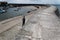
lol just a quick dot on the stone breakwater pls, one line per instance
(43, 24)
(10, 27)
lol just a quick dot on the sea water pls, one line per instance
(13, 12)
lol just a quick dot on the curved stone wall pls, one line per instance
(44, 25)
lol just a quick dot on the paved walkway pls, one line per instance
(31, 28)
(44, 25)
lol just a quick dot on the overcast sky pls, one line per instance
(34, 1)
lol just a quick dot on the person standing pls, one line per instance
(23, 21)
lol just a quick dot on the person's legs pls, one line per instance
(23, 22)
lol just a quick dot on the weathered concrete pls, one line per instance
(41, 26)
(5, 25)
(9, 32)
(31, 30)
(50, 24)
